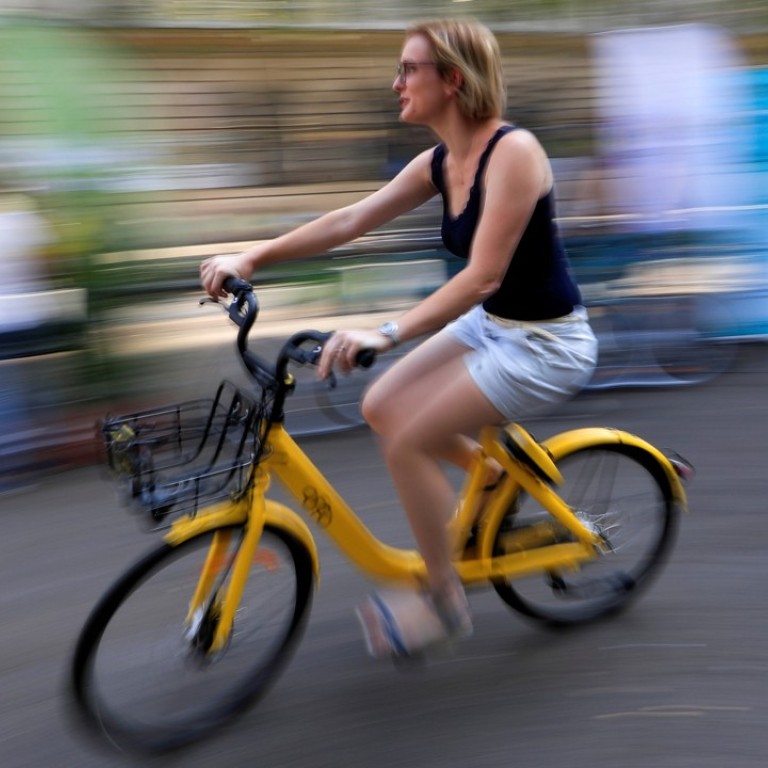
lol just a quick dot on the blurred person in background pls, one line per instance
(511, 335)
(23, 235)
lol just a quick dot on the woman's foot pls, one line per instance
(403, 623)
(452, 607)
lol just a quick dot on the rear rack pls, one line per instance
(186, 455)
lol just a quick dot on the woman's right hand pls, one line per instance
(216, 269)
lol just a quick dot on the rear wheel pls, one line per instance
(619, 491)
(142, 674)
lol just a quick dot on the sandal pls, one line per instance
(405, 623)
(452, 607)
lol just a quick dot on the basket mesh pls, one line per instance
(186, 455)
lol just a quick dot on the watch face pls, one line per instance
(390, 330)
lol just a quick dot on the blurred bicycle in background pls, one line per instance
(654, 332)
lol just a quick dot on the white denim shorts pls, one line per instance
(527, 367)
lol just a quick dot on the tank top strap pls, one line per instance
(438, 156)
(492, 142)
(437, 167)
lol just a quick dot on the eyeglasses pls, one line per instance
(407, 68)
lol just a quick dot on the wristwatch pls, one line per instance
(389, 330)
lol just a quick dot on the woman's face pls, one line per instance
(418, 83)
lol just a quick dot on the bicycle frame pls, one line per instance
(527, 552)
(590, 514)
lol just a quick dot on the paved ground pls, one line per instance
(678, 681)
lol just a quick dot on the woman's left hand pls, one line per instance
(342, 348)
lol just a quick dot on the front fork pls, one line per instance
(208, 606)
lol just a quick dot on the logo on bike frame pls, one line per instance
(317, 506)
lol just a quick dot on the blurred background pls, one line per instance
(139, 136)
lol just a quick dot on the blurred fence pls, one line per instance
(587, 15)
(183, 136)
(148, 147)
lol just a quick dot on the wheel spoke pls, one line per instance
(618, 492)
(143, 673)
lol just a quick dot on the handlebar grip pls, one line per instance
(236, 285)
(365, 358)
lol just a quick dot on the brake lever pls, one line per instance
(313, 357)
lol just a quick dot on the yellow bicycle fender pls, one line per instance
(216, 516)
(561, 445)
(224, 514)
(284, 518)
(567, 442)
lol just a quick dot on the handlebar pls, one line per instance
(243, 311)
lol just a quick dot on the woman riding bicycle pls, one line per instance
(512, 337)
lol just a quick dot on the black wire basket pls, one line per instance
(182, 457)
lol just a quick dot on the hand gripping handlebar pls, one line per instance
(243, 311)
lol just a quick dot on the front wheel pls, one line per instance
(142, 673)
(621, 492)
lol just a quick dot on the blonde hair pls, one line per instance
(472, 49)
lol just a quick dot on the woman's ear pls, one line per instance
(454, 79)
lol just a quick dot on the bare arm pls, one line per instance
(409, 189)
(517, 176)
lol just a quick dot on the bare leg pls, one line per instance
(413, 456)
(424, 408)
(400, 392)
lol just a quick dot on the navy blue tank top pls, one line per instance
(538, 284)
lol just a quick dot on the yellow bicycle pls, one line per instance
(198, 629)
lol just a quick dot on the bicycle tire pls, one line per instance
(686, 340)
(143, 681)
(623, 492)
(661, 342)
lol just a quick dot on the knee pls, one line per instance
(375, 411)
(379, 408)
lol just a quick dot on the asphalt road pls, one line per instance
(680, 680)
